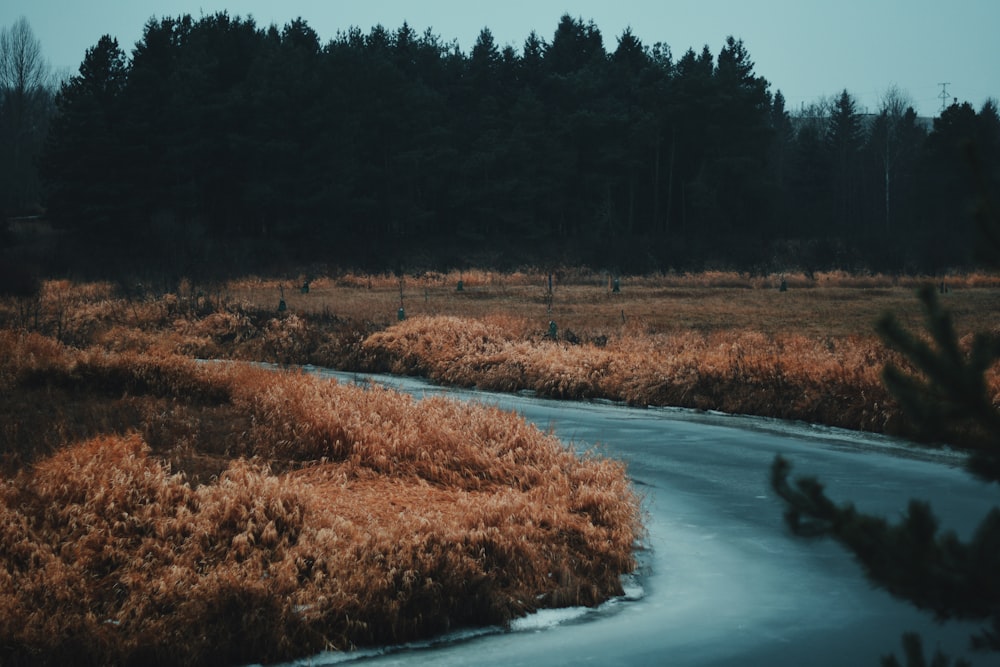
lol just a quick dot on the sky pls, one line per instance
(808, 49)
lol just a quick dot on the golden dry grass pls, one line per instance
(829, 304)
(156, 509)
(714, 340)
(341, 516)
(831, 381)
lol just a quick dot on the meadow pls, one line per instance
(711, 341)
(163, 510)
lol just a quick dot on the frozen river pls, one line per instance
(722, 581)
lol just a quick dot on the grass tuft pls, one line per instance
(344, 516)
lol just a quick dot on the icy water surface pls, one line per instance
(722, 582)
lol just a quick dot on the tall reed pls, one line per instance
(344, 516)
(832, 381)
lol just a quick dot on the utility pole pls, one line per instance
(944, 95)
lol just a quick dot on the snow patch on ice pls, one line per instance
(547, 618)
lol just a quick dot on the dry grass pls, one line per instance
(828, 304)
(714, 340)
(341, 516)
(831, 381)
(159, 510)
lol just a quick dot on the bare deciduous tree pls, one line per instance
(25, 102)
(893, 106)
(22, 67)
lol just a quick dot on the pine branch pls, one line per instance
(913, 649)
(989, 638)
(911, 560)
(952, 400)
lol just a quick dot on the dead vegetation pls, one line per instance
(160, 510)
(714, 340)
(336, 516)
(830, 381)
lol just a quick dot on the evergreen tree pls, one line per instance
(739, 140)
(692, 93)
(844, 138)
(285, 150)
(654, 139)
(213, 64)
(575, 66)
(483, 190)
(83, 165)
(575, 45)
(632, 71)
(484, 61)
(532, 59)
(912, 560)
(946, 190)
(779, 157)
(155, 125)
(808, 192)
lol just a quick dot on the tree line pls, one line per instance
(219, 142)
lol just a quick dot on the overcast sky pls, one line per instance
(806, 48)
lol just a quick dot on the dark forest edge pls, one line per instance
(221, 147)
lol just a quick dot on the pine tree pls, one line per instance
(935, 571)
(81, 162)
(844, 138)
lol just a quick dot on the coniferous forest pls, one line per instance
(217, 144)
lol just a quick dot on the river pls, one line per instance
(722, 581)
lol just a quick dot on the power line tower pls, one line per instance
(944, 95)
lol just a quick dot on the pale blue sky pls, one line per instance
(807, 48)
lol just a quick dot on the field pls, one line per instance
(162, 510)
(717, 341)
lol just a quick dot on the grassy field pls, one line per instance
(709, 341)
(832, 304)
(161, 510)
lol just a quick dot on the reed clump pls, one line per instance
(833, 381)
(336, 516)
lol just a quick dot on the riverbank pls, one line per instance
(159, 510)
(791, 347)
